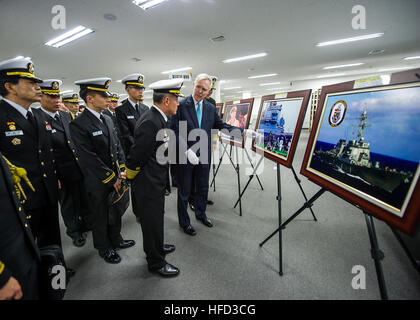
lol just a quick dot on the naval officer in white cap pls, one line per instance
(101, 159)
(149, 174)
(71, 102)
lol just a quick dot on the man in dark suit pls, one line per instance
(73, 202)
(71, 102)
(129, 113)
(25, 141)
(131, 110)
(101, 159)
(148, 168)
(196, 113)
(113, 105)
(19, 255)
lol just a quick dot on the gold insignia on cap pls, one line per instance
(140, 79)
(55, 85)
(16, 141)
(75, 96)
(31, 68)
(107, 84)
(114, 95)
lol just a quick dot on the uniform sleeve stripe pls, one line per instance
(109, 178)
(131, 174)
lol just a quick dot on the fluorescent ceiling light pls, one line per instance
(232, 88)
(69, 36)
(365, 37)
(278, 89)
(344, 66)
(269, 84)
(258, 55)
(392, 69)
(147, 4)
(412, 58)
(263, 76)
(177, 70)
(331, 75)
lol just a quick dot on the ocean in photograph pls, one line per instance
(278, 123)
(370, 142)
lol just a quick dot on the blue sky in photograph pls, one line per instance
(393, 119)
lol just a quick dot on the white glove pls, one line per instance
(192, 157)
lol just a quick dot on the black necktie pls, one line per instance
(137, 109)
(31, 119)
(57, 118)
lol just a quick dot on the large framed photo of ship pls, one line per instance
(365, 148)
(237, 114)
(279, 124)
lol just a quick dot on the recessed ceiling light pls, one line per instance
(147, 4)
(253, 56)
(412, 58)
(344, 66)
(331, 75)
(269, 84)
(263, 76)
(110, 16)
(231, 88)
(339, 41)
(69, 36)
(177, 70)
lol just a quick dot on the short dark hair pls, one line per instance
(84, 92)
(3, 90)
(158, 97)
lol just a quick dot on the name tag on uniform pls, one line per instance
(130, 117)
(14, 133)
(53, 131)
(97, 133)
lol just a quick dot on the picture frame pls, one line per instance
(219, 108)
(237, 114)
(281, 118)
(365, 147)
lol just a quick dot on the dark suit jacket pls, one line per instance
(210, 120)
(30, 148)
(151, 178)
(115, 120)
(17, 246)
(127, 118)
(99, 150)
(66, 157)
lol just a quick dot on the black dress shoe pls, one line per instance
(167, 270)
(210, 203)
(126, 244)
(168, 248)
(111, 256)
(190, 230)
(206, 221)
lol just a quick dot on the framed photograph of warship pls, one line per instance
(238, 115)
(279, 124)
(365, 147)
(219, 108)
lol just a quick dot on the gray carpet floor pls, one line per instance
(225, 262)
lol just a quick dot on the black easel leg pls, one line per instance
(249, 181)
(214, 175)
(218, 166)
(303, 192)
(279, 213)
(252, 166)
(377, 255)
(239, 182)
(306, 205)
